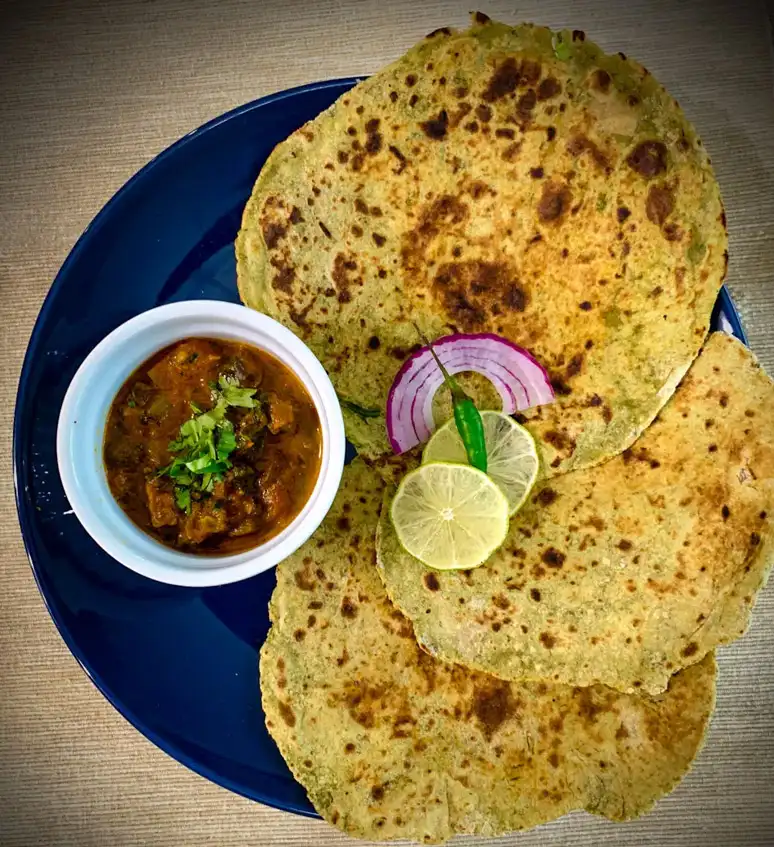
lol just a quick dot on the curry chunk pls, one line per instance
(161, 505)
(207, 518)
(281, 415)
(275, 500)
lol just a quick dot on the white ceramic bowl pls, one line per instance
(80, 437)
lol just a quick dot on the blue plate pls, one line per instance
(181, 664)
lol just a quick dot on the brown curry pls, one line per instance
(212, 446)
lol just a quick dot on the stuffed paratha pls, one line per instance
(502, 179)
(391, 743)
(624, 573)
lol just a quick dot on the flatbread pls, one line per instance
(391, 743)
(624, 573)
(507, 180)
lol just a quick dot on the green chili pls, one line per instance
(360, 411)
(468, 419)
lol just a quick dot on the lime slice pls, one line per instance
(511, 457)
(449, 516)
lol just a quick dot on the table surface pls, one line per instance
(89, 92)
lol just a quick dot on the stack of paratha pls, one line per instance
(393, 743)
(521, 182)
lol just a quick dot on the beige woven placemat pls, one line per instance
(89, 91)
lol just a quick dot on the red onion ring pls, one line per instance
(520, 380)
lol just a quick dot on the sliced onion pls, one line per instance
(520, 380)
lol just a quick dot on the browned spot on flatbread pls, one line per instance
(530, 72)
(286, 713)
(441, 214)
(562, 389)
(525, 104)
(660, 203)
(286, 274)
(348, 608)
(553, 558)
(556, 438)
(483, 113)
(343, 274)
(436, 127)
(493, 705)
(459, 114)
(373, 142)
(501, 602)
(304, 580)
(548, 88)
(600, 80)
(471, 290)
(575, 365)
(402, 161)
(579, 144)
(504, 81)
(592, 703)
(363, 701)
(273, 233)
(554, 202)
(431, 582)
(648, 159)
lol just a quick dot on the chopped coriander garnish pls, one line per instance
(183, 499)
(205, 442)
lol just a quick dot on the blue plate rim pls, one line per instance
(19, 459)
(724, 305)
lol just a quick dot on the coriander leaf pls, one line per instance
(242, 397)
(200, 464)
(226, 443)
(183, 499)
